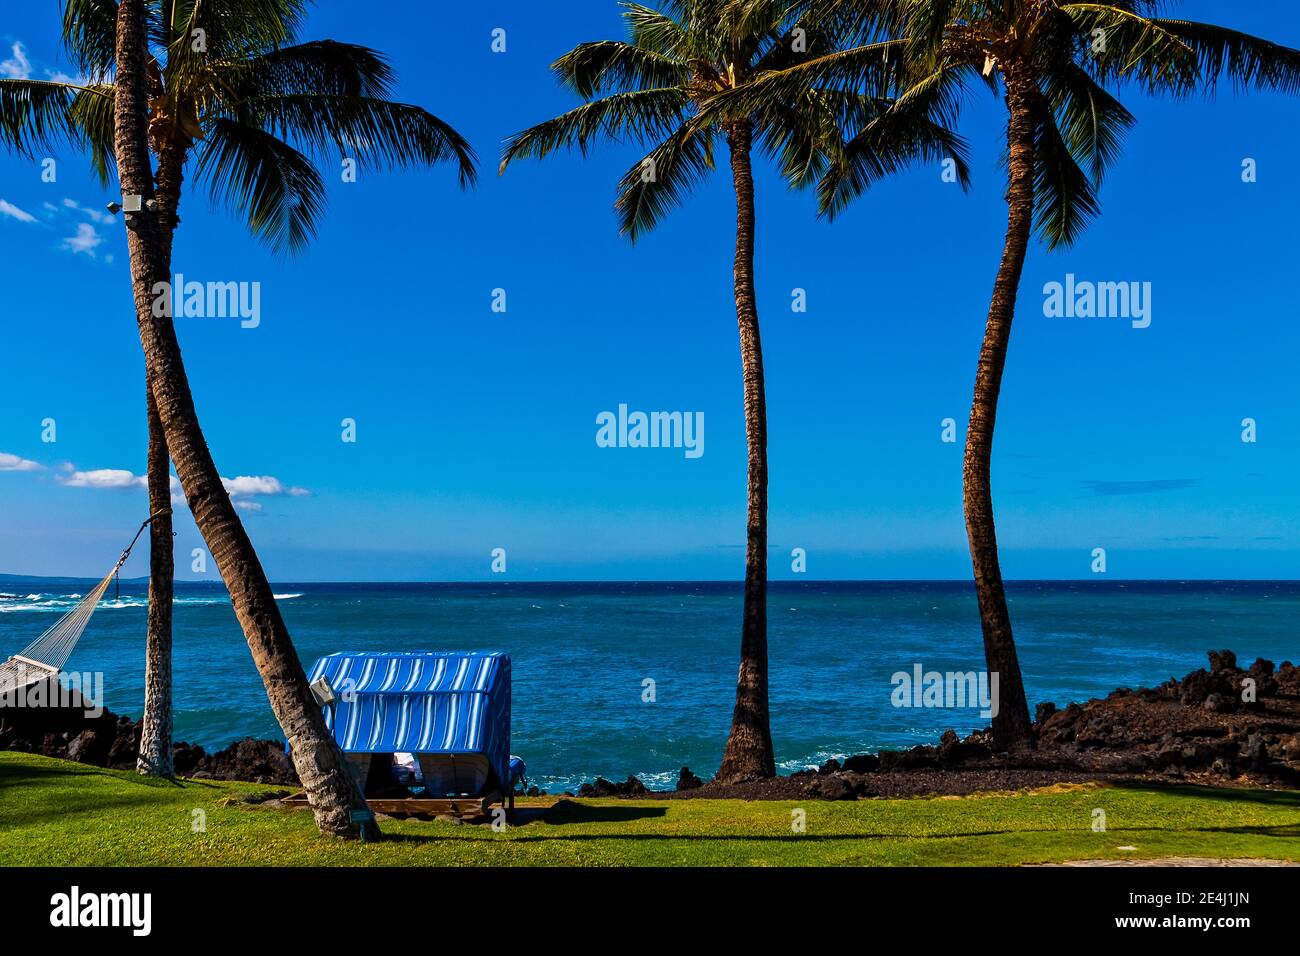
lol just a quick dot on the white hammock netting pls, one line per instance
(44, 657)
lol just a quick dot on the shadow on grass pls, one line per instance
(20, 774)
(561, 814)
(566, 812)
(1289, 830)
(1285, 831)
(697, 837)
(1270, 798)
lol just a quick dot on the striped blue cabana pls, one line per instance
(423, 703)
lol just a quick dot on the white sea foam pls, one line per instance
(66, 603)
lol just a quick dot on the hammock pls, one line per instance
(44, 657)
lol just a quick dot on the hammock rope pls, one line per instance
(44, 657)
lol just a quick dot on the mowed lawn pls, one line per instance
(57, 813)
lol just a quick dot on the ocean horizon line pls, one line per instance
(736, 582)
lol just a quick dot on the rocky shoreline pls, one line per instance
(1225, 726)
(109, 740)
(1200, 729)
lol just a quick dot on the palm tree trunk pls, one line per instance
(748, 754)
(155, 757)
(1011, 724)
(333, 794)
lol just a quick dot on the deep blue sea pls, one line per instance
(581, 654)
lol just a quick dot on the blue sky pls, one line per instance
(476, 429)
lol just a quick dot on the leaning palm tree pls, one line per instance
(649, 91)
(224, 82)
(26, 124)
(1057, 66)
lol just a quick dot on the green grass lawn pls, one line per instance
(55, 813)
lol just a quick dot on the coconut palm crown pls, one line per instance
(230, 84)
(648, 91)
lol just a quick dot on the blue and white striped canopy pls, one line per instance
(421, 702)
(410, 672)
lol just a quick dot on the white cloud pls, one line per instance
(104, 478)
(56, 76)
(17, 67)
(10, 462)
(95, 215)
(247, 486)
(87, 240)
(13, 212)
(241, 489)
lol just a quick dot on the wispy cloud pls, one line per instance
(102, 478)
(243, 489)
(86, 240)
(1138, 487)
(95, 215)
(248, 486)
(10, 462)
(13, 212)
(17, 67)
(58, 76)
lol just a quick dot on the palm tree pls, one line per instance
(1053, 62)
(155, 756)
(235, 106)
(650, 91)
(24, 126)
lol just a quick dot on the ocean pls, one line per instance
(582, 655)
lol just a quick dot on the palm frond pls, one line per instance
(640, 116)
(1247, 61)
(373, 131)
(318, 66)
(802, 138)
(199, 33)
(814, 39)
(90, 34)
(912, 129)
(91, 112)
(1135, 49)
(857, 23)
(34, 115)
(879, 69)
(928, 22)
(657, 31)
(236, 27)
(1065, 200)
(274, 186)
(1092, 122)
(590, 69)
(663, 180)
